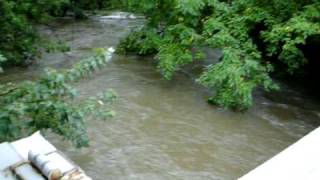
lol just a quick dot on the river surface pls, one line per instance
(165, 130)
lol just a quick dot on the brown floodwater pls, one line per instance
(165, 129)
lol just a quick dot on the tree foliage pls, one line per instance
(254, 36)
(50, 103)
(17, 36)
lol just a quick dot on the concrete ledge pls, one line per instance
(300, 161)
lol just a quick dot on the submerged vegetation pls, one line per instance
(257, 39)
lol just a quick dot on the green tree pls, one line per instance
(254, 35)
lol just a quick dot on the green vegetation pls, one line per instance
(256, 38)
(50, 103)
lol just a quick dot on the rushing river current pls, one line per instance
(165, 130)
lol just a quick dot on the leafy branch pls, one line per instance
(50, 103)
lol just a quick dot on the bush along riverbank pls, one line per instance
(257, 39)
